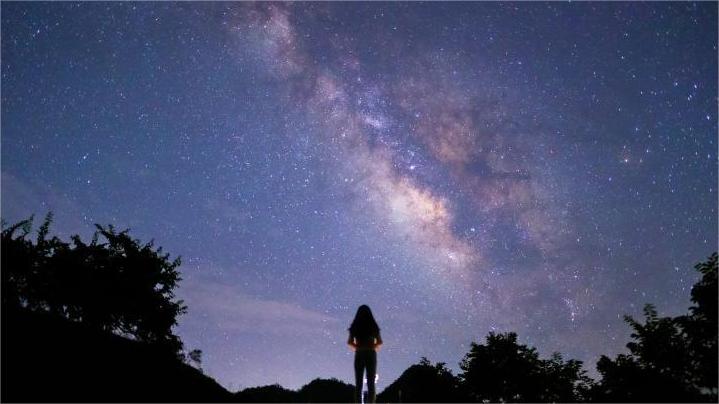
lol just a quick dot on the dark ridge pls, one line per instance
(326, 391)
(273, 393)
(316, 391)
(50, 359)
(424, 383)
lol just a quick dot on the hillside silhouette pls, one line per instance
(92, 322)
(316, 391)
(425, 383)
(49, 359)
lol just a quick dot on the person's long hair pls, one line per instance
(364, 325)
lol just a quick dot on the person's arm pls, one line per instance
(351, 342)
(377, 341)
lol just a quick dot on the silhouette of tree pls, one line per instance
(564, 381)
(670, 359)
(701, 327)
(505, 371)
(656, 368)
(120, 285)
(424, 383)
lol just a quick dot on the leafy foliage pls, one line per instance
(701, 326)
(671, 359)
(503, 370)
(119, 285)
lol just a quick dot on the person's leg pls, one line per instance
(371, 372)
(359, 370)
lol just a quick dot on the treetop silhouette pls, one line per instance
(670, 358)
(114, 283)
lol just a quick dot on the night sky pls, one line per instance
(461, 168)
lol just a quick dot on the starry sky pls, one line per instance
(462, 168)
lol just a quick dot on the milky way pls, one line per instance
(462, 168)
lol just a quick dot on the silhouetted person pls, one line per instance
(365, 340)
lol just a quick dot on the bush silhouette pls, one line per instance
(119, 285)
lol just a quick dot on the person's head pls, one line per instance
(364, 324)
